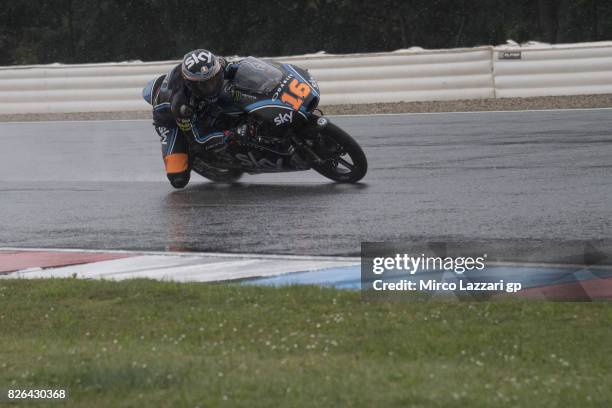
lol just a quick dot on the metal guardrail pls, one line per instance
(403, 75)
(545, 70)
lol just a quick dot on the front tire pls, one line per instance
(345, 161)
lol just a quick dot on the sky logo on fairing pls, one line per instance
(283, 118)
(251, 161)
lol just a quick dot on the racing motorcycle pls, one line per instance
(278, 103)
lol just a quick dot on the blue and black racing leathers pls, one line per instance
(180, 120)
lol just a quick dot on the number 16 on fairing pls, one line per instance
(298, 91)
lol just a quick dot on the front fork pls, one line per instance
(311, 132)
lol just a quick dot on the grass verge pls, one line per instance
(147, 343)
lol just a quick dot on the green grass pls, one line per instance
(148, 344)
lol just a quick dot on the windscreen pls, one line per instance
(258, 76)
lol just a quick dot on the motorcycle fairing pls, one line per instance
(273, 82)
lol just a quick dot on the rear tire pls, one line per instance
(350, 166)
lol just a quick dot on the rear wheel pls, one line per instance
(344, 160)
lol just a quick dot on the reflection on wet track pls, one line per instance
(466, 176)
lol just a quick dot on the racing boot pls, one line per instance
(179, 180)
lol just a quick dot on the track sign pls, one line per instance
(510, 55)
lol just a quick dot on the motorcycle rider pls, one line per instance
(185, 111)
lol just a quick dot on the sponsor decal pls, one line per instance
(283, 118)
(249, 160)
(204, 56)
(281, 86)
(237, 95)
(322, 121)
(313, 82)
(163, 134)
(184, 124)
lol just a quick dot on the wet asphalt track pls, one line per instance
(432, 177)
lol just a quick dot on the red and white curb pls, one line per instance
(32, 263)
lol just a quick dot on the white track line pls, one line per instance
(480, 111)
(338, 116)
(192, 254)
(281, 257)
(196, 267)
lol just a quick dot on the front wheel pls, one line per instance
(344, 160)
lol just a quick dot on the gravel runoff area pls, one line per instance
(468, 105)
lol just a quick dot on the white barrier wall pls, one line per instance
(404, 75)
(77, 88)
(407, 75)
(546, 70)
